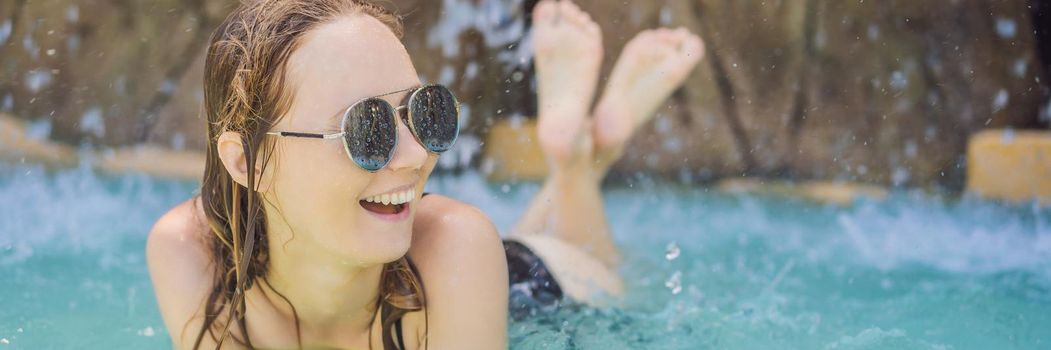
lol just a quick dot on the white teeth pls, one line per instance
(393, 198)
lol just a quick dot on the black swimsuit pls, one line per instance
(532, 287)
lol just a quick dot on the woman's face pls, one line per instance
(316, 189)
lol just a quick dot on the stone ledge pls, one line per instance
(1011, 165)
(152, 160)
(826, 192)
(17, 146)
(512, 151)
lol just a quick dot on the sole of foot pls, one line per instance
(650, 68)
(568, 53)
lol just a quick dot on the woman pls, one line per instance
(335, 246)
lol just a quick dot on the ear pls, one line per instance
(231, 152)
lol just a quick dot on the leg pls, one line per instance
(577, 246)
(569, 204)
(568, 55)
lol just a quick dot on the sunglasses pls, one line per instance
(369, 128)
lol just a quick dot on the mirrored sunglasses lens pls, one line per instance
(371, 133)
(435, 118)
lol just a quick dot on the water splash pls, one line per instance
(76, 210)
(936, 235)
(500, 23)
(760, 273)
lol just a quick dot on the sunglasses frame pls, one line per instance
(407, 119)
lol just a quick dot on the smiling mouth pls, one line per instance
(384, 209)
(389, 204)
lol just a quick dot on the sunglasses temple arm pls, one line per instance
(307, 135)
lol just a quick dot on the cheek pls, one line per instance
(428, 166)
(317, 179)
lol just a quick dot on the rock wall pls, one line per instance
(877, 91)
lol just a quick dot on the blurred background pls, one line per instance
(883, 92)
(834, 174)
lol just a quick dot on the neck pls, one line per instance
(332, 296)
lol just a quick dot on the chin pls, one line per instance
(380, 244)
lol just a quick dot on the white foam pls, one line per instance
(963, 237)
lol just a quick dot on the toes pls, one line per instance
(689, 46)
(593, 28)
(681, 42)
(693, 48)
(569, 13)
(644, 38)
(570, 9)
(545, 11)
(669, 37)
(573, 14)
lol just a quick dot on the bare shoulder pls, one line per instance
(461, 260)
(180, 268)
(442, 224)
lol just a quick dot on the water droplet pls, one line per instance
(665, 16)
(37, 79)
(5, 31)
(1000, 100)
(1006, 28)
(50, 52)
(92, 122)
(8, 103)
(898, 80)
(900, 176)
(674, 283)
(672, 251)
(1008, 136)
(147, 332)
(911, 150)
(1020, 67)
(72, 13)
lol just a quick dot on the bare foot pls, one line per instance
(568, 48)
(651, 67)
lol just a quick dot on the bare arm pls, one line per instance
(464, 270)
(182, 275)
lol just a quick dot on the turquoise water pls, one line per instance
(705, 270)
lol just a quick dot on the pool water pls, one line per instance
(704, 269)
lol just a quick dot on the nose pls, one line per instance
(408, 154)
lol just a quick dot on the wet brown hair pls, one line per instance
(245, 92)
